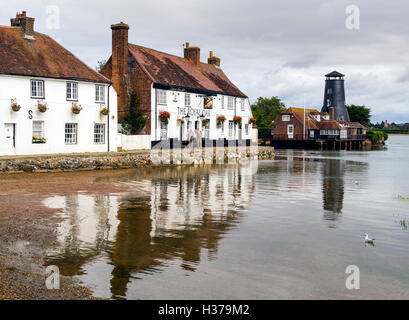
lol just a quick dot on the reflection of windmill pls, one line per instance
(333, 188)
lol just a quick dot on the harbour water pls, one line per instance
(281, 229)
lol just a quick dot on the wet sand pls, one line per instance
(28, 230)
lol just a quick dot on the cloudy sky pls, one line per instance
(268, 48)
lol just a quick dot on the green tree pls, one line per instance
(359, 114)
(100, 65)
(134, 120)
(265, 110)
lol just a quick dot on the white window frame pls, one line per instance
(162, 97)
(99, 133)
(71, 133)
(222, 97)
(99, 93)
(230, 103)
(242, 104)
(286, 117)
(72, 91)
(187, 100)
(37, 89)
(38, 132)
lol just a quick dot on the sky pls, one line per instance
(277, 48)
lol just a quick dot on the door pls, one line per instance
(207, 130)
(10, 138)
(290, 131)
(163, 131)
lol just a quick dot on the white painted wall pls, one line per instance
(176, 99)
(134, 142)
(59, 113)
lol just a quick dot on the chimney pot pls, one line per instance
(26, 23)
(331, 113)
(192, 54)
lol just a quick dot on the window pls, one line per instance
(99, 93)
(72, 91)
(37, 89)
(311, 133)
(242, 104)
(70, 133)
(161, 96)
(246, 129)
(230, 103)
(187, 100)
(99, 133)
(38, 130)
(222, 102)
(286, 117)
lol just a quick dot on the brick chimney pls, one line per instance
(26, 23)
(192, 54)
(213, 60)
(120, 65)
(331, 113)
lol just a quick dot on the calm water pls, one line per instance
(278, 229)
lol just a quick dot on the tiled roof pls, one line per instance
(42, 57)
(329, 125)
(169, 70)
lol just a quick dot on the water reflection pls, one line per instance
(173, 216)
(333, 188)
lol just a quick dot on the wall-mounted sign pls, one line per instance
(208, 102)
(183, 112)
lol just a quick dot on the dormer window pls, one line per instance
(37, 89)
(286, 117)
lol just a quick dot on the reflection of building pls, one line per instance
(185, 211)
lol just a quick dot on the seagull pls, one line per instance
(368, 240)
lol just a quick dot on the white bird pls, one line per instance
(368, 240)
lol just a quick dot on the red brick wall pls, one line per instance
(280, 128)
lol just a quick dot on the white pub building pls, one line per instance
(179, 96)
(50, 101)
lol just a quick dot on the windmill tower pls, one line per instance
(334, 96)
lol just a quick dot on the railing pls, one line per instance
(318, 137)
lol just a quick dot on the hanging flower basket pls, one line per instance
(42, 106)
(76, 108)
(220, 120)
(104, 111)
(181, 122)
(252, 120)
(164, 116)
(237, 120)
(205, 122)
(15, 106)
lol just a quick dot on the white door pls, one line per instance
(290, 131)
(163, 131)
(10, 138)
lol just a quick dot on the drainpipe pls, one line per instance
(156, 114)
(109, 87)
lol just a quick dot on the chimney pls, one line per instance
(26, 23)
(331, 113)
(213, 60)
(120, 65)
(192, 54)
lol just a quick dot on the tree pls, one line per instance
(265, 110)
(359, 114)
(100, 65)
(134, 120)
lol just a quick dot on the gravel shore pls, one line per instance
(28, 230)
